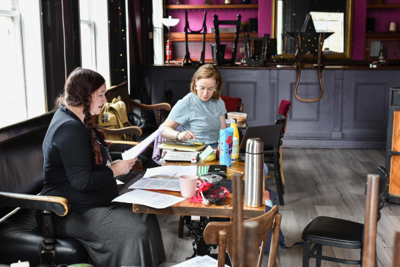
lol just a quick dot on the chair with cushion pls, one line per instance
(132, 132)
(276, 159)
(232, 103)
(139, 125)
(240, 241)
(335, 232)
(21, 179)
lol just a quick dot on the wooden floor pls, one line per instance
(327, 182)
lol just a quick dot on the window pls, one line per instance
(94, 37)
(21, 64)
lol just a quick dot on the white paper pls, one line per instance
(149, 198)
(199, 261)
(136, 150)
(170, 171)
(157, 184)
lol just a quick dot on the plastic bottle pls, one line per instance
(235, 143)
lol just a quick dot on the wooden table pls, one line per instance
(186, 208)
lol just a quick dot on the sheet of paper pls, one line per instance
(170, 171)
(149, 198)
(136, 150)
(157, 183)
(199, 261)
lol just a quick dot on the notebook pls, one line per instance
(181, 156)
(181, 148)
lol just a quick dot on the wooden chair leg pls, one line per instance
(281, 168)
(306, 254)
(181, 225)
(221, 248)
(278, 173)
(278, 186)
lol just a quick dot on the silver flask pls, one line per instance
(254, 173)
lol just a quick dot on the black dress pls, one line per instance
(111, 232)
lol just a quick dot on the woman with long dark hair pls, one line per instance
(77, 167)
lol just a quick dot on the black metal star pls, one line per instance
(309, 37)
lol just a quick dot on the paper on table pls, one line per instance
(136, 150)
(199, 261)
(157, 183)
(170, 171)
(148, 198)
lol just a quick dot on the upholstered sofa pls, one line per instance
(21, 178)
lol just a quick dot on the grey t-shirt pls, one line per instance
(201, 118)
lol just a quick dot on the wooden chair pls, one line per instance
(327, 231)
(281, 118)
(220, 58)
(121, 90)
(229, 235)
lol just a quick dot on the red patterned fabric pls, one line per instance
(231, 103)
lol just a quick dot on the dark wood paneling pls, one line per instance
(118, 57)
(53, 49)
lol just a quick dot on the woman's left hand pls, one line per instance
(120, 167)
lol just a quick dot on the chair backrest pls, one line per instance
(266, 222)
(229, 235)
(236, 23)
(270, 134)
(283, 110)
(376, 185)
(119, 90)
(232, 103)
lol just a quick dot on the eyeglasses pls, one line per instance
(209, 89)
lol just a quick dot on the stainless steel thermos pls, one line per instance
(254, 173)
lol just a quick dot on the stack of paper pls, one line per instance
(157, 184)
(170, 171)
(199, 261)
(148, 198)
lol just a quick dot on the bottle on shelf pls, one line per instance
(235, 141)
(382, 54)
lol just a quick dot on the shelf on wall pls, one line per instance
(388, 6)
(224, 37)
(211, 6)
(382, 35)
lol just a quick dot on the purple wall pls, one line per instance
(196, 15)
(383, 18)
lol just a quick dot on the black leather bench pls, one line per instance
(21, 178)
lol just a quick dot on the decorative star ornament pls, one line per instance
(309, 37)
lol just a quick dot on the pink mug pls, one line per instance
(188, 185)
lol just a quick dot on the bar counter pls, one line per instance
(353, 113)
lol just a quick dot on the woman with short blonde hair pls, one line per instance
(201, 113)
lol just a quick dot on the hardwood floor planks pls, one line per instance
(319, 182)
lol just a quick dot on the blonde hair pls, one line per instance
(205, 72)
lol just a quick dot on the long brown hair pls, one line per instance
(204, 72)
(78, 89)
